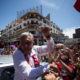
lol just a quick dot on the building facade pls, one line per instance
(31, 21)
(75, 39)
(77, 33)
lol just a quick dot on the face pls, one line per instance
(27, 44)
(64, 58)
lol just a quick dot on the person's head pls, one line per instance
(26, 41)
(65, 58)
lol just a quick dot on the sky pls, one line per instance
(62, 12)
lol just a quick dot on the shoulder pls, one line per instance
(17, 53)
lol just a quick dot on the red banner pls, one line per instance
(77, 5)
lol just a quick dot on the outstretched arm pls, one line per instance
(49, 46)
(67, 68)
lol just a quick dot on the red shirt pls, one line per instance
(63, 72)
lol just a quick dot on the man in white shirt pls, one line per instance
(25, 58)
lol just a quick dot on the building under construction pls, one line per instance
(31, 21)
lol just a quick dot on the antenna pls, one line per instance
(41, 9)
(23, 12)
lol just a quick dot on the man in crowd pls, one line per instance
(25, 57)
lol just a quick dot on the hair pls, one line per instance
(25, 34)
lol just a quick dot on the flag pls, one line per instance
(77, 5)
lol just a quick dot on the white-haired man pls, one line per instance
(25, 58)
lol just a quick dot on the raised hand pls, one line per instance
(45, 31)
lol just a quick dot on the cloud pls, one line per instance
(48, 4)
(69, 32)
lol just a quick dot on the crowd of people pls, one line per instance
(63, 62)
(7, 50)
(66, 63)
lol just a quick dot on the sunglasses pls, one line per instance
(27, 43)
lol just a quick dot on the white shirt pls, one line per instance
(23, 70)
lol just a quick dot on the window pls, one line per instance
(36, 22)
(32, 16)
(20, 26)
(40, 24)
(38, 17)
(28, 22)
(33, 32)
(32, 22)
(25, 18)
(25, 24)
(14, 29)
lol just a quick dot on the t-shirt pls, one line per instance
(63, 72)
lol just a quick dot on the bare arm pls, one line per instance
(66, 67)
